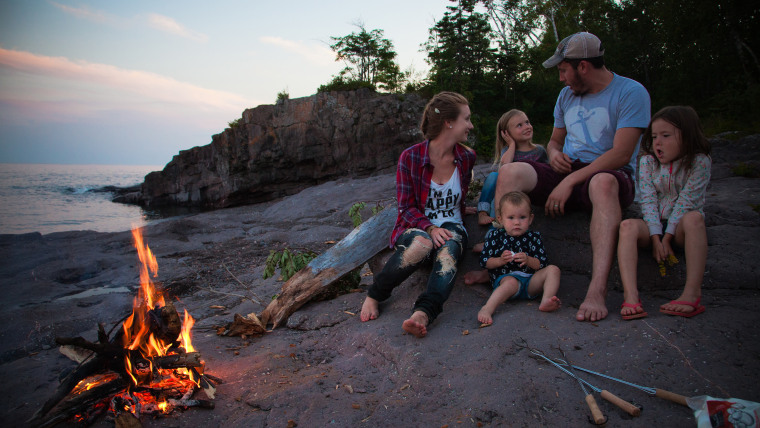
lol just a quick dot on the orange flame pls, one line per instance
(137, 334)
(186, 335)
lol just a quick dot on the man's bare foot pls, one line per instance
(485, 315)
(550, 304)
(592, 309)
(370, 309)
(477, 248)
(476, 277)
(416, 324)
(484, 219)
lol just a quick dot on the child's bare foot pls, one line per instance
(477, 248)
(550, 304)
(476, 277)
(370, 309)
(485, 316)
(416, 324)
(484, 219)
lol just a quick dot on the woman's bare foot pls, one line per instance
(477, 248)
(484, 219)
(370, 309)
(485, 315)
(550, 304)
(416, 324)
(476, 277)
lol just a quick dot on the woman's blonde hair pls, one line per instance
(442, 107)
(503, 125)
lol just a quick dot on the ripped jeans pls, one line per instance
(414, 248)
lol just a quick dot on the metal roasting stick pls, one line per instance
(595, 412)
(661, 393)
(612, 398)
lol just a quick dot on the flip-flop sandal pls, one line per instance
(636, 315)
(698, 309)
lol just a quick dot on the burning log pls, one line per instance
(89, 393)
(176, 361)
(165, 323)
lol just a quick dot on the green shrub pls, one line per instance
(340, 84)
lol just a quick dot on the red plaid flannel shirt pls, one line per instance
(413, 178)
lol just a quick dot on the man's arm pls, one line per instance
(559, 161)
(617, 157)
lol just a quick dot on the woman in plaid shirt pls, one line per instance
(432, 180)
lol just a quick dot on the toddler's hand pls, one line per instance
(521, 258)
(507, 256)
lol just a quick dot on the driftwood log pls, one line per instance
(352, 251)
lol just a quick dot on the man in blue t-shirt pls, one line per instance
(598, 122)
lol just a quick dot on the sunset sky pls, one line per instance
(135, 82)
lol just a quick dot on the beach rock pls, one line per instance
(277, 150)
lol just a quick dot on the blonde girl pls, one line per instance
(513, 143)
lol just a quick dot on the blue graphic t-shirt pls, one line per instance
(591, 120)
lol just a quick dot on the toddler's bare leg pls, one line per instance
(546, 279)
(506, 289)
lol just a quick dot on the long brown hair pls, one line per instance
(503, 125)
(442, 107)
(693, 140)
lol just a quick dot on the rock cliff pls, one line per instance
(278, 150)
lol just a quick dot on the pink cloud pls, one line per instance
(35, 79)
(169, 25)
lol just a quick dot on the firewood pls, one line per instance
(175, 361)
(359, 246)
(165, 323)
(108, 349)
(60, 411)
(245, 326)
(204, 404)
(67, 384)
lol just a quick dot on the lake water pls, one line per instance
(56, 198)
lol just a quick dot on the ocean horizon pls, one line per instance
(48, 198)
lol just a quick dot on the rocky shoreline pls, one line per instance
(327, 368)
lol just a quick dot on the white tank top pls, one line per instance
(444, 200)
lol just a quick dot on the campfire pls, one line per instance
(148, 368)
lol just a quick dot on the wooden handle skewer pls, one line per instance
(672, 396)
(626, 406)
(595, 412)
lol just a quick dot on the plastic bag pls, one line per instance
(724, 412)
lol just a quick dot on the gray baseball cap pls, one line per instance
(578, 46)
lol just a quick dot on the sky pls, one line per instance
(135, 82)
